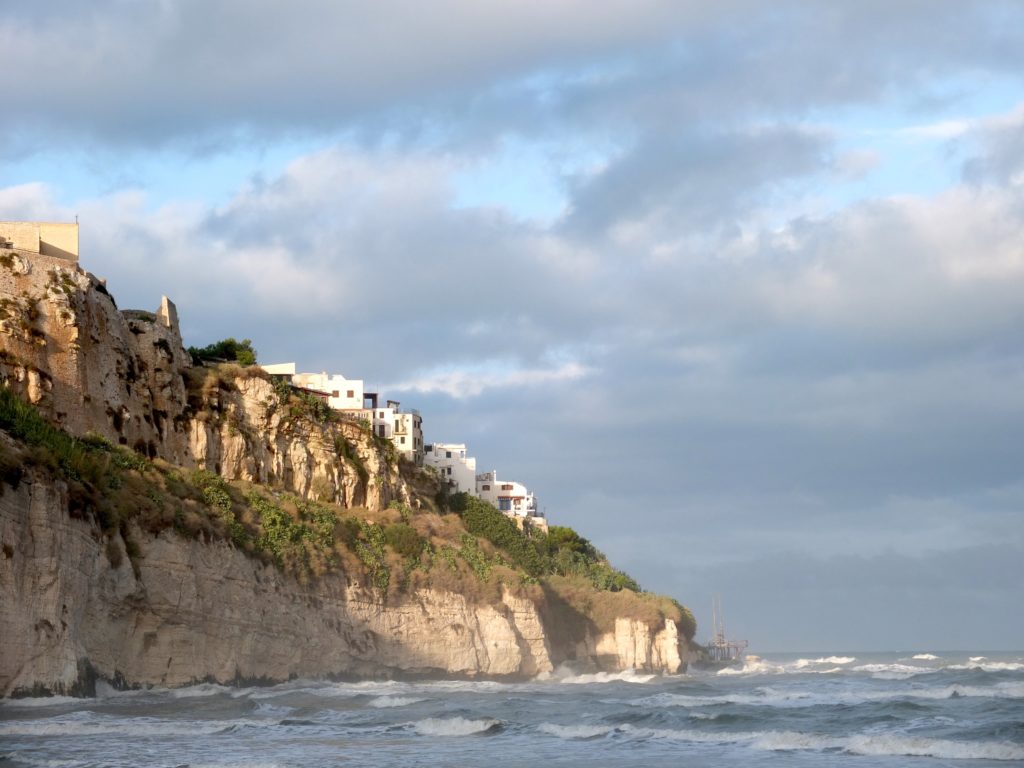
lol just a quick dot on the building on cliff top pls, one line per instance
(510, 497)
(47, 238)
(453, 465)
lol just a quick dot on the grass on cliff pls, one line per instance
(464, 545)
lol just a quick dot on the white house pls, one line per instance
(342, 394)
(508, 496)
(403, 428)
(408, 436)
(452, 464)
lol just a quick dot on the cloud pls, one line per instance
(472, 381)
(206, 75)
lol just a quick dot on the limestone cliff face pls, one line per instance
(204, 611)
(92, 368)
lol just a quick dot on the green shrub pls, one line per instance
(404, 540)
(225, 350)
(475, 557)
(482, 519)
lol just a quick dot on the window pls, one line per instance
(403, 441)
(447, 454)
(485, 487)
(350, 393)
(381, 430)
(505, 505)
(335, 393)
(506, 487)
(449, 471)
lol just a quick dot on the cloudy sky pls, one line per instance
(736, 287)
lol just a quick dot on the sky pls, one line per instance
(736, 288)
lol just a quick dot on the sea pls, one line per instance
(916, 708)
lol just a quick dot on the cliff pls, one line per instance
(187, 524)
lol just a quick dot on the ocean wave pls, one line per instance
(858, 744)
(39, 701)
(626, 676)
(946, 749)
(754, 665)
(978, 658)
(990, 666)
(455, 726)
(833, 660)
(122, 727)
(771, 697)
(894, 671)
(925, 657)
(43, 762)
(386, 702)
(576, 732)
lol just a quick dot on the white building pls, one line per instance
(403, 428)
(508, 496)
(342, 394)
(453, 465)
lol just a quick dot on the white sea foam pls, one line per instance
(139, 726)
(754, 665)
(833, 660)
(925, 657)
(40, 701)
(894, 671)
(767, 696)
(978, 658)
(203, 690)
(455, 726)
(687, 735)
(627, 676)
(990, 666)
(386, 702)
(43, 762)
(859, 744)
(579, 732)
(891, 744)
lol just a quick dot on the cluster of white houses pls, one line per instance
(404, 428)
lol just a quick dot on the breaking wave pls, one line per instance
(455, 726)
(832, 660)
(894, 671)
(385, 702)
(628, 676)
(580, 732)
(859, 744)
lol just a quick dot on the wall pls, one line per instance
(54, 239)
(58, 240)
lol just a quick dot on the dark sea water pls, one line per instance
(857, 710)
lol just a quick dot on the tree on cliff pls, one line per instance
(225, 350)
